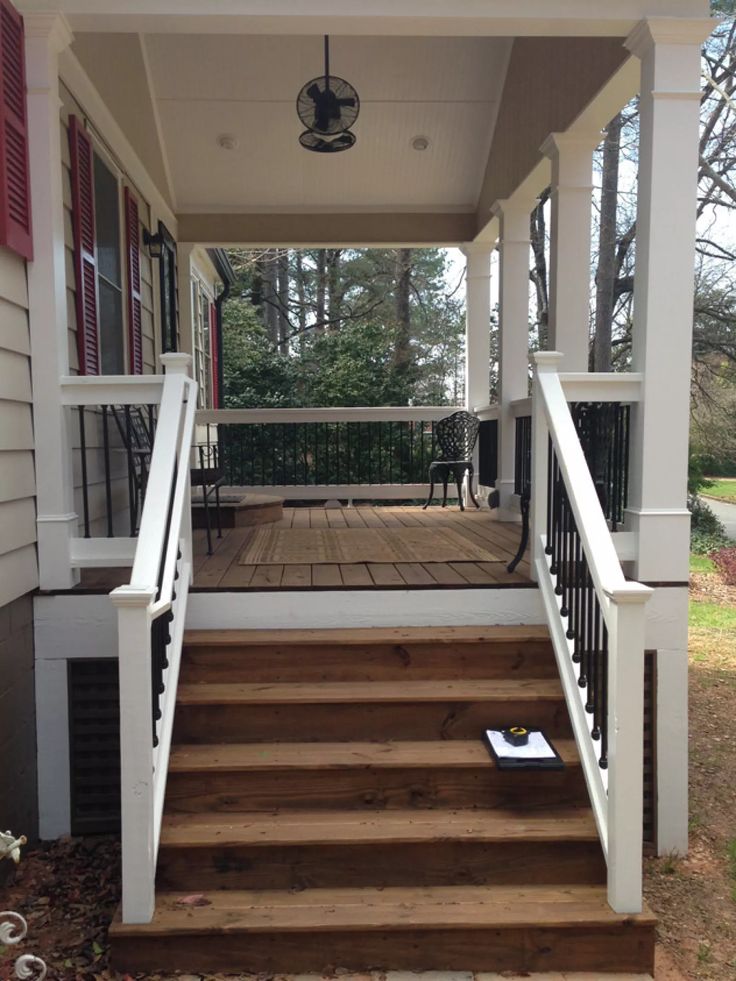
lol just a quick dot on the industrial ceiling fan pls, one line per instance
(328, 106)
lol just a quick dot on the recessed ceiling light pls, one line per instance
(227, 141)
(420, 143)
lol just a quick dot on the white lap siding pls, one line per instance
(18, 564)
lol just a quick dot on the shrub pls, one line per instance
(707, 534)
(725, 561)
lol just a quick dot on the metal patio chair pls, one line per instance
(456, 436)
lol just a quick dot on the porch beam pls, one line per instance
(47, 35)
(669, 52)
(508, 18)
(513, 355)
(302, 230)
(571, 155)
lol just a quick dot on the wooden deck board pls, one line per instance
(222, 570)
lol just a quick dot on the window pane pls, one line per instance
(111, 328)
(107, 222)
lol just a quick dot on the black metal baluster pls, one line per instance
(603, 761)
(594, 667)
(83, 460)
(561, 588)
(573, 625)
(108, 482)
(550, 496)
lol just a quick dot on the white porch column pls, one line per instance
(184, 279)
(46, 37)
(513, 347)
(569, 268)
(669, 50)
(477, 330)
(477, 324)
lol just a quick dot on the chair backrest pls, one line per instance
(134, 429)
(456, 435)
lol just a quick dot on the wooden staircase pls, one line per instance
(331, 800)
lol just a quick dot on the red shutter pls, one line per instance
(135, 319)
(85, 258)
(15, 180)
(215, 351)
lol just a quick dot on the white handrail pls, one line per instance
(154, 591)
(616, 794)
(396, 413)
(93, 390)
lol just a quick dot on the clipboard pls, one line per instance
(509, 757)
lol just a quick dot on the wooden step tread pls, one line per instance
(396, 908)
(217, 829)
(224, 757)
(365, 635)
(338, 692)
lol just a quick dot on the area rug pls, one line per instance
(315, 546)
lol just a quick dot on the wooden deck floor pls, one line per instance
(222, 570)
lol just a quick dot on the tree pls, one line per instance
(355, 326)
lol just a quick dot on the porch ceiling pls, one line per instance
(447, 89)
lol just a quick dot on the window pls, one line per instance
(201, 303)
(106, 298)
(168, 292)
(109, 269)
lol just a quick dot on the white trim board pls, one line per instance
(363, 608)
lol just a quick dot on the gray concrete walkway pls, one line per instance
(726, 513)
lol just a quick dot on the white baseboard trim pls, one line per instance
(363, 608)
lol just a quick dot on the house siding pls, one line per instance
(18, 563)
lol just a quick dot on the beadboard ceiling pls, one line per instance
(444, 88)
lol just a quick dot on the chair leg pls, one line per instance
(431, 495)
(206, 507)
(444, 492)
(525, 504)
(471, 495)
(217, 511)
(459, 482)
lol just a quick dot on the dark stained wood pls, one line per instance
(363, 775)
(330, 795)
(365, 710)
(619, 948)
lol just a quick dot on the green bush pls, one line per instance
(707, 534)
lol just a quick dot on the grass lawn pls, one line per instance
(695, 897)
(724, 489)
(701, 563)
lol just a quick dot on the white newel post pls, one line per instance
(513, 348)
(669, 50)
(181, 364)
(544, 361)
(569, 267)
(47, 35)
(136, 751)
(477, 328)
(626, 746)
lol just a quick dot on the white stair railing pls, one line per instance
(151, 615)
(597, 625)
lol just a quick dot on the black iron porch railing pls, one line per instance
(114, 446)
(603, 429)
(305, 454)
(580, 604)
